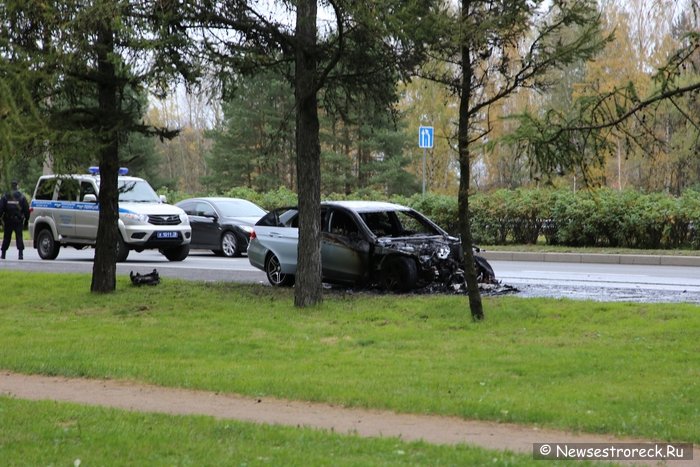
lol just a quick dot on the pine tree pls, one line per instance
(85, 62)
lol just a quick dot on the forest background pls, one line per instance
(247, 138)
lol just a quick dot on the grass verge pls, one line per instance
(68, 434)
(542, 247)
(626, 369)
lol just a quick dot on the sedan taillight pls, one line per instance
(252, 235)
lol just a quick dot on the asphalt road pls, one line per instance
(602, 282)
(199, 265)
(594, 281)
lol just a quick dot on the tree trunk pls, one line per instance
(104, 269)
(308, 290)
(465, 231)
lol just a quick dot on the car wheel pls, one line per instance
(229, 245)
(399, 274)
(176, 253)
(273, 269)
(46, 245)
(122, 249)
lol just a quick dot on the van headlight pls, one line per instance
(133, 218)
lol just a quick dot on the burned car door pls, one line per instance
(344, 248)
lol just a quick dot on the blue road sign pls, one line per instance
(425, 137)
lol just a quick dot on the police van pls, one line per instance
(64, 212)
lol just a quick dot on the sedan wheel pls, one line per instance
(229, 245)
(399, 274)
(273, 269)
(122, 250)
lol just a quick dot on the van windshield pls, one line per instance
(137, 191)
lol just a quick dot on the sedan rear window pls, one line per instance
(239, 208)
(284, 217)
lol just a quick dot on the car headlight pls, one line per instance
(184, 219)
(443, 252)
(134, 218)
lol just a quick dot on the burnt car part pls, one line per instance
(405, 264)
(434, 262)
(484, 271)
(365, 243)
(152, 278)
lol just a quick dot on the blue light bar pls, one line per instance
(94, 170)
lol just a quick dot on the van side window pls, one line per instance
(45, 189)
(86, 188)
(68, 190)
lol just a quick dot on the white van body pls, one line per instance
(64, 212)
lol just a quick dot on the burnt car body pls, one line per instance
(364, 243)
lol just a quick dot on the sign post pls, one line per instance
(425, 141)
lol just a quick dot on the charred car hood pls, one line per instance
(420, 245)
(428, 250)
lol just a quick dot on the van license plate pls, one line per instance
(166, 234)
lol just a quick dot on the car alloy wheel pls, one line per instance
(229, 245)
(273, 269)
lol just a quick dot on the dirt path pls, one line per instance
(434, 429)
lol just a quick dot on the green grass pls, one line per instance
(67, 435)
(629, 369)
(542, 247)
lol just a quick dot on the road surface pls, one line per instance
(593, 281)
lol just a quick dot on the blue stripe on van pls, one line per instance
(70, 205)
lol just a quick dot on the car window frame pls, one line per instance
(273, 218)
(340, 213)
(200, 213)
(46, 189)
(68, 189)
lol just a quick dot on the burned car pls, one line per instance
(364, 243)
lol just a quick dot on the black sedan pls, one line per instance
(222, 225)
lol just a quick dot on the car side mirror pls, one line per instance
(89, 198)
(163, 199)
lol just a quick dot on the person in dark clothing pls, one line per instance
(14, 210)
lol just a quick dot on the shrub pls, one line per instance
(601, 217)
(572, 213)
(441, 209)
(282, 197)
(528, 210)
(490, 220)
(245, 193)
